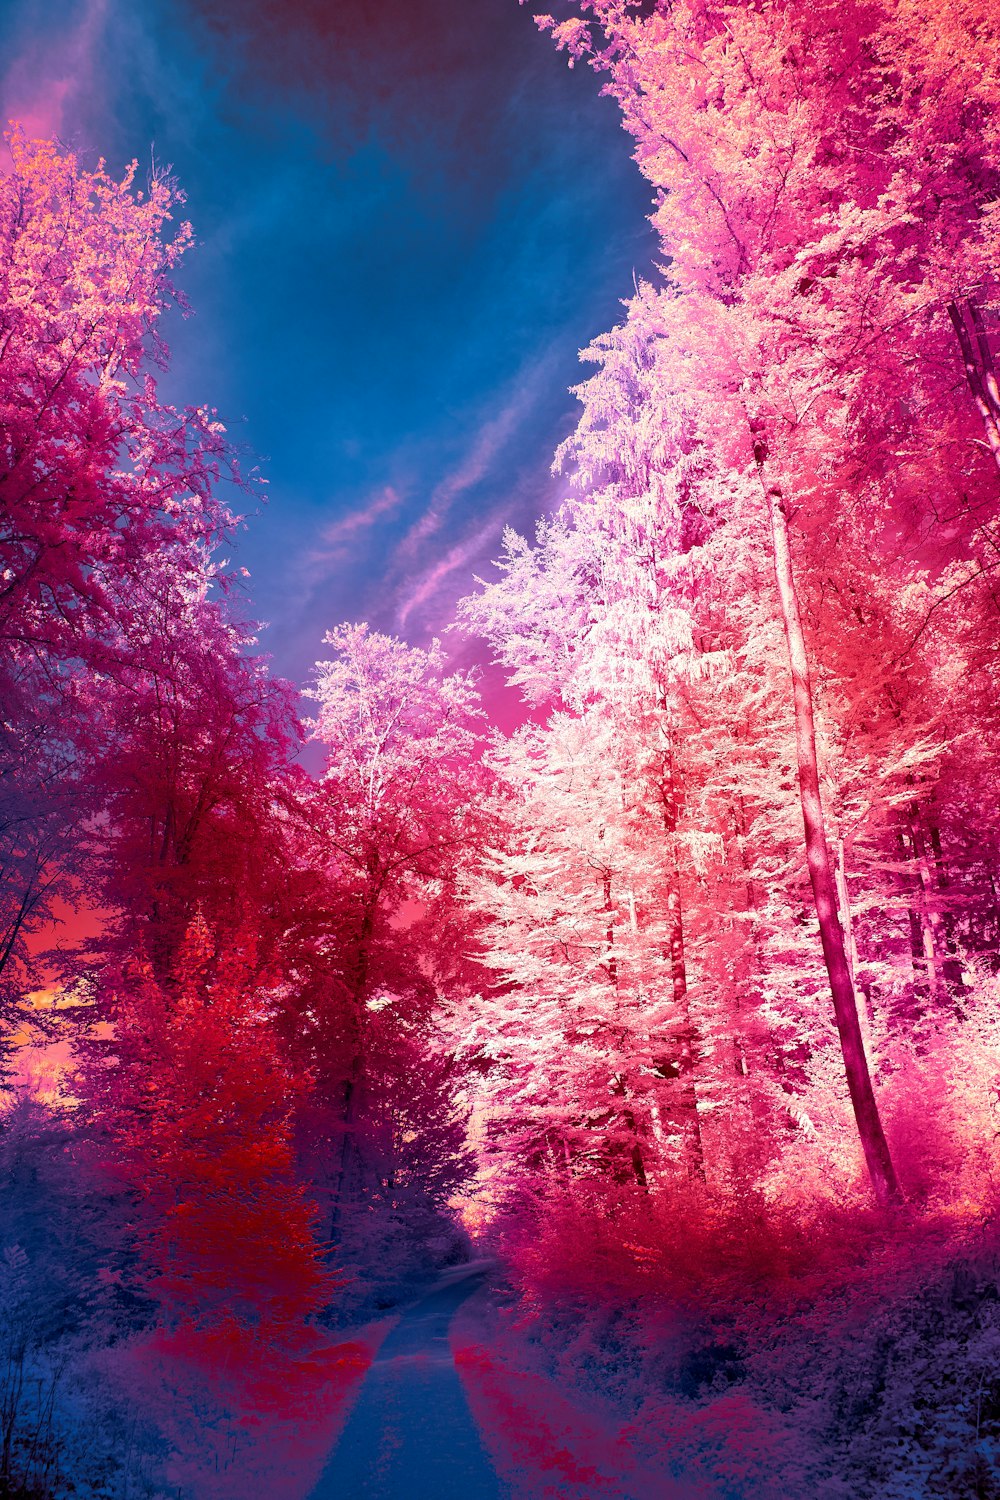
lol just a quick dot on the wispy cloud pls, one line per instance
(39, 87)
(426, 585)
(420, 565)
(348, 526)
(476, 464)
(335, 539)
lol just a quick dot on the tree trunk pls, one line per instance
(609, 934)
(820, 865)
(918, 953)
(354, 1082)
(690, 1119)
(952, 965)
(980, 371)
(637, 1161)
(759, 1111)
(866, 1014)
(846, 919)
(930, 918)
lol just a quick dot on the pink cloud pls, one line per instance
(491, 438)
(39, 87)
(427, 584)
(334, 539)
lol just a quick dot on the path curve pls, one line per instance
(410, 1435)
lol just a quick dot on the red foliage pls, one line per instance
(199, 1102)
(108, 503)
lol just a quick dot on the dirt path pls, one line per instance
(410, 1435)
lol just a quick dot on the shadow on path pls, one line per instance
(410, 1435)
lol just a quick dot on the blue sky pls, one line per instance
(410, 217)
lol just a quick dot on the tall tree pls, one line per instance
(814, 251)
(397, 818)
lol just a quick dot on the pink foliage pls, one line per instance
(766, 610)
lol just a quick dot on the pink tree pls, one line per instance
(815, 251)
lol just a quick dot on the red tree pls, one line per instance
(107, 496)
(198, 1102)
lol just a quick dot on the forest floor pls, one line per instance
(882, 1388)
(410, 1434)
(442, 1413)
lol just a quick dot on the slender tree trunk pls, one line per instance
(639, 1167)
(980, 371)
(930, 919)
(637, 1161)
(627, 1117)
(691, 1120)
(918, 958)
(559, 1155)
(952, 965)
(741, 1064)
(866, 1014)
(354, 1082)
(348, 1143)
(820, 865)
(919, 952)
(609, 935)
(938, 924)
(846, 920)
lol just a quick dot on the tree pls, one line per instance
(192, 782)
(198, 1102)
(108, 498)
(640, 614)
(821, 200)
(397, 818)
(584, 1022)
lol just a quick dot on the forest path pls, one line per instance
(411, 1435)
